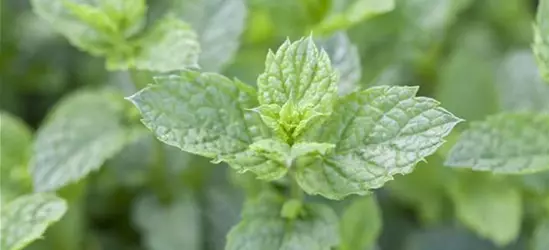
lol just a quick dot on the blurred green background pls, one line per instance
(472, 56)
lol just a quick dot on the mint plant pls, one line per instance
(296, 122)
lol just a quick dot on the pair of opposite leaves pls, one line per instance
(333, 145)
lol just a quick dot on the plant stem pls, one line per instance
(295, 190)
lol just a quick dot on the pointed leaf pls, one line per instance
(378, 133)
(298, 86)
(504, 143)
(262, 227)
(26, 218)
(201, 113)
(82, 132)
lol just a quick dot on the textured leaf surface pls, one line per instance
(201, 113)
(82, 132)
(171, 226)
(262, 227)
(170, 45)
(26, 218)
(520, 84)
(219, 24)
(345, 58)
(378, 133)
(297, 87)
(346, 13)
(15, 148)
(541, 38)
(540, 240)
(505, 143)
(492, 209)
(360, 224)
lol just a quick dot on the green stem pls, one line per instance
(295, 190)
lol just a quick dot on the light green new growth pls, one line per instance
(26, 218)
(504, 143)
(541, 38)
(335, 146)
(115, 29)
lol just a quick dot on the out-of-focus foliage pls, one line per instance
(66, 66)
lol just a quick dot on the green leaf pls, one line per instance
(360, 224)
(297, 89)
(26, 218)
(171, 226)
(504, 143)
(520, 84)
(82, 132)
(98, 27)
(481, 202)
(540, 240)
(541, 38)
(345, 59)
(346, 13)
(170, 45)
(378, 133)
(262, 227)
(201, 113)
(15, 150)
(219, 24)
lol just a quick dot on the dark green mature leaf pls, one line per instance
(262, 227)
(504, 143)
(541, 38)
(83, 131)
(491, 208)
(219, 24)
(540, 240)
(171, 226)
(345, 58)
(26, 218)
(297, 89)
(346, 13)
(205, 114)
(378, 133)
(360, 224)
(15, 149)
